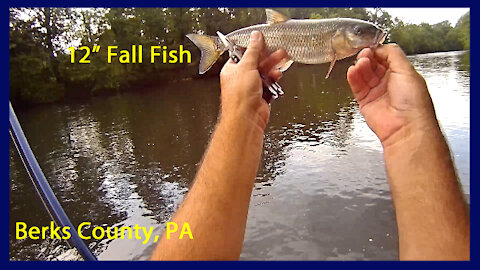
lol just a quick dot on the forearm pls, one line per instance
(217, 205)
(432, 216)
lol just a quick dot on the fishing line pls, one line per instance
(43, 188)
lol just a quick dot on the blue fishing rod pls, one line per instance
(44, 190)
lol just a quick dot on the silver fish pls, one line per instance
(307, 41)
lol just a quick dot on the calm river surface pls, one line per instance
(321, 192)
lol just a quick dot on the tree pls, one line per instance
(463, 26)
(40, 37)
(36, 38)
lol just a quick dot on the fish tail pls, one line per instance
(210, 47)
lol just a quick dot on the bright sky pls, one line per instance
(428, 15)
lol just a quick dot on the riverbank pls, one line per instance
(151, 81)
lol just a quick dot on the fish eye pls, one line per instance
(357, 30)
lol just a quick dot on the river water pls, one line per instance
(321, 192)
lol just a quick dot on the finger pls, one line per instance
(364, 67)
(230, 62)
(255, 47)
(369, 53)
(275, 74)
(357, 84)
(393, 57)
(228, 65)
(374, 93)
(272, 61)
(263, 54)
(378, 68)
(380, 71)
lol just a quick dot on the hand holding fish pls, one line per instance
(242, 86)
(218, 201)
(432, 216)
(392, 95)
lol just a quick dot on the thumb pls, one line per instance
(255, 46)
(394, 57)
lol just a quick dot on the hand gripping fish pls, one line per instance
(271, 89)
(307, 41)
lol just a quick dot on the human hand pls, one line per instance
(392, 96)
(242, 86)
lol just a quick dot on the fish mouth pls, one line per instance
(381, 35)
(379, 39)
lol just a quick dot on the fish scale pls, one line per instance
(303, 40)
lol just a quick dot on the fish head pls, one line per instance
(361, 34)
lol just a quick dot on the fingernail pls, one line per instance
(255, 35)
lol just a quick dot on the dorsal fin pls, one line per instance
(275, 17)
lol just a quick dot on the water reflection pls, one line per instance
(448, 79)
(321, 192)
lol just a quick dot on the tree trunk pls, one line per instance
(49, 40)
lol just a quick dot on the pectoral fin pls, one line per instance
(336, 43)
(331, 67)
(284, 65)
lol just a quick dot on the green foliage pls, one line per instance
(40, 68)
(425, 38)
(463, 28)
(34, 74)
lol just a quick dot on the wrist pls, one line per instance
(411, 133)
(245, 119)
(416, 151)
(240, 127)
(420, 157)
